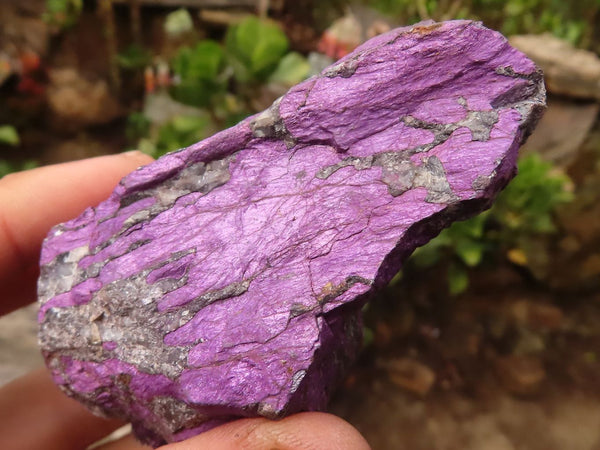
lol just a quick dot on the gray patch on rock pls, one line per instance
(344, 69)
(441, 132)
(234, 289)
(297, 309)
(509, 71)
(482, 181)
(198, 177)
(297, 379)
(177, 414)
(61, 274)
(270, 125)
(268, 411)
(335, 291)
(119, 312)
(359, 163)
(400, 174)
(432, 176)
(480, 123)
(529, 101)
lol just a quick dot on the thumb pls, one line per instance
(306, 431)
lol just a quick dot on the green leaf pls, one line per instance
(7, 167)
(205, 61)
(138, 126)
(134, 57)
(292, 69)
(255, 47)
(62, 13)
(527, 204)
(178, 22)
(64, 6)
(9, 135)
(397, 278)
(368, 336)
(470, 252)
(200, 73)
(180, 132)
(458, 279)
(428, 255)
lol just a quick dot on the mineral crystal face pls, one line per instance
(225, 280)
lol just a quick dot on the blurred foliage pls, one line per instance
(292, 68)
(254, 48)
(178, 22)
(62, 14)
(7, 167)
(254, 52)
(179, 132)
(521, 214)
(138, 126)
(200, 72)
(221, 80)
(9, 135)
(134, 57)
(575, 21)
(527, 203)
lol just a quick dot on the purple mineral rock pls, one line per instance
(225, 280)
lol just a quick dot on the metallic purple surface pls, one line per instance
(225, 280)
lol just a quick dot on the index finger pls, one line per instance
(32, 202)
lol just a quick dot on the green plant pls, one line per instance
(138, 126)
(523, 212)
(9, 135)
(178, 22)
(292, 69)
(180, 132)
(221, 81)
(62, 13)
(253, 51)
(574, 21)
(134, 57)
(7, 167)
(527, 204)
(564, 19)
(201, 73)
(254, 48)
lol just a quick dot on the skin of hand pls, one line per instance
(33, 412)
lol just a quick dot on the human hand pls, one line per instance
(34, 414)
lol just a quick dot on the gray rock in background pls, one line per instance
(562, 130)
(568, 71)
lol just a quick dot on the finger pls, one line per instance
(32, 202)
(35, 414)
(306, 431)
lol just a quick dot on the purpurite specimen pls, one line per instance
(226, 279)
